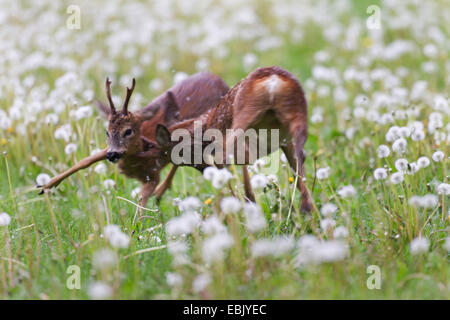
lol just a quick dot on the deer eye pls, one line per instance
(127, 133)
(107, 133)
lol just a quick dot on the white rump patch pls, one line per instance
(272, 85)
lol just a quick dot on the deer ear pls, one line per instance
(162, 135)
(172, 111)
(148, 112)
(103, 108)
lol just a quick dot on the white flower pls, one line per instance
(136, 192)
(383, 151)
(104, 259)
(42, 179)
(116, 237)
(174, 279)
(259, 181)
(209, 173)
(254, 217)
(70, 148)
(100, 168)
(64, 132)
(99, 291)
(189, 204)
(419, 245)
(327, 223)
(221, 177)
(340, 232)
(5, 219)
(273, 178)
(423, 162)
(178, 250)
(213, 225)
(328, 209)
(443, 189)
(213, 248)
(230, 205)
(184, 224)
(380, 174)
(201, 282)
(323, 173)
(272, 247)
(397, 178)
(312, 251)
(109, 183)
(347, 191)
(438, 156)
(399, 145)
(331, 251)
(418, 135)
(401, 165)
(83, 112)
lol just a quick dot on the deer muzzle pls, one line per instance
(114, 156)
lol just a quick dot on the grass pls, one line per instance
(51, 232)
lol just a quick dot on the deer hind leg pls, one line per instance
(165, 184)
(249, 195)
(296, 159)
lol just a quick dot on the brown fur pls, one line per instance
(251, 104)
(193, 96)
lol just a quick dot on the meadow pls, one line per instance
(377, 87)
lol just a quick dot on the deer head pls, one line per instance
(124, 128)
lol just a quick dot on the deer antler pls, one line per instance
(108, 94)
(127, 98)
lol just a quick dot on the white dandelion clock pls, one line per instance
(423, 162)
(347, 191)
(100, 168)
(5, 219)
(209, 173)
(383, 151)
(201, 282)
(419, 245)
(213, 225)
(190, 204)
(328, 209)
(380, 174)
(213, 248)
(443, 189)
(340, 232)
(70, 148)
(230, 205)
(397, 178)
(109, 183)
(42, 179)
(272, 247)
(323, 173)
(174, 280)
(259, 181)
(401, 165)
(104, 259)
(100, 291)
(255, 219)
(438, 156)
(399, 145)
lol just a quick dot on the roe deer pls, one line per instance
(269, 98)
(131, 133)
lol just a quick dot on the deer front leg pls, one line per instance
(146, 192)
(165, 184)
(86, 162)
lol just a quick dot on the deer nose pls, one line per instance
(113, 156)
